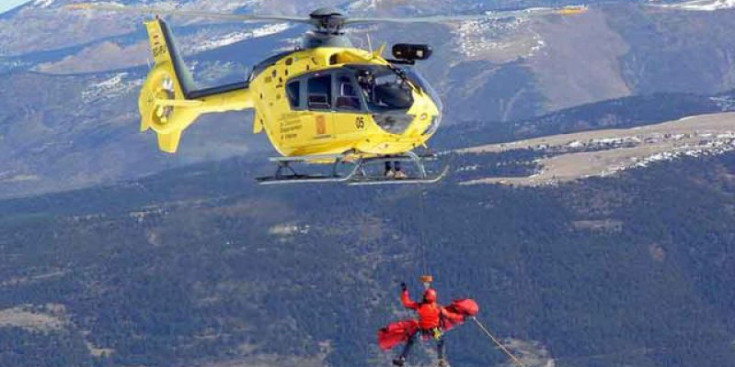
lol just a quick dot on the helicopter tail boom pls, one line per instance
(169, 101)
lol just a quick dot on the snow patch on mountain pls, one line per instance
(699, 5)
(472, 37)
(112, 87)
(697, 144)
(222, 6)
(290, 44)
(722, 143)
(8, 65)
(210, 42)
(568, 157)
(726, 103)
(692, 144)
(530, 352)
(539, 45)
(42, 3)
(362, 5)
(478, 37)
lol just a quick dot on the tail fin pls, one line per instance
(164, 50)
(169, 101)
(163, 100)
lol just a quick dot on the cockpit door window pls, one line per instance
(319, 92)
(293, 91)
(347, 96)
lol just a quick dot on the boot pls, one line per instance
(443, 362)
(400, 361)
(400, 175)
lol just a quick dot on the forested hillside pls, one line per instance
(199, 266)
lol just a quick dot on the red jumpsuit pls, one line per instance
(430, 319)
(430, 313)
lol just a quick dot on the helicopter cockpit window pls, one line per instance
(347, 99)
(319, 92)
(292, 91)
(384, 89)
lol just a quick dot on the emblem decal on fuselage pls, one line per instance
(321, 125)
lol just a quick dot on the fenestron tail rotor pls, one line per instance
(162, 112)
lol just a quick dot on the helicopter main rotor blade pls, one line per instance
(190, 13)
(493, 15)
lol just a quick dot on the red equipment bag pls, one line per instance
(465, 307)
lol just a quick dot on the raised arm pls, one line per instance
(406, 298)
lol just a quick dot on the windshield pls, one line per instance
(383, 88)
(420, 82)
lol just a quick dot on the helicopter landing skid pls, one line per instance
(285, 172)
(357, 172)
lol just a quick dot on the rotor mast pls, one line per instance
(328, 24)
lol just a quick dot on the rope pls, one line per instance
(502, 347)
(422, 235)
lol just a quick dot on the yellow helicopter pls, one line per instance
(323, 102)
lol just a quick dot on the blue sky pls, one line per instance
(6, 5)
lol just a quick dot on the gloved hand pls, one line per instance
(403, 287)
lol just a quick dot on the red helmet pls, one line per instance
(430, 295)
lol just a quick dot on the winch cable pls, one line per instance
(498, 343)
(423, 253)
(425, 268)
(422, 235)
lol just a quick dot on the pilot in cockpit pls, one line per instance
(366, 80)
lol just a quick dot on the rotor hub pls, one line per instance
(328, 20)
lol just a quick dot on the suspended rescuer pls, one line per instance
(430, 321)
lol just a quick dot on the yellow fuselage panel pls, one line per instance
(295, 133)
